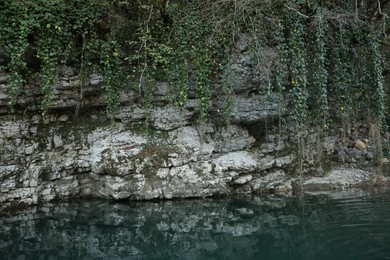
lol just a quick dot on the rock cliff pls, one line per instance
(76, 151)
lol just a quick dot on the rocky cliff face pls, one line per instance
(76, 151)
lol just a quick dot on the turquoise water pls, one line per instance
(350, 225)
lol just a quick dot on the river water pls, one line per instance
(346, 225)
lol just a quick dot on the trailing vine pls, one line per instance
(377, 102)
(298, 71)
(281, 70)
(345, 78)
(201, 56)
(14, 37)
(38, 36)
(318, 81)
(328, 63)
(298, 74)
(378, 95)
(319, 73)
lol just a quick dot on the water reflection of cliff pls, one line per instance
(237, 228)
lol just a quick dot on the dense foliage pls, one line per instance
(38, 36)
(328, 53)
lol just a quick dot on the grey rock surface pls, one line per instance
(74, 150)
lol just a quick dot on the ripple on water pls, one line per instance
(344, 225)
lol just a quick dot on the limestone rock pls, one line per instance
(359, 144)
(111, 152)
(329, 144)
(274, 182)
(283, 161)
(190, 145)
(63, 118)
(131, 114)
(168, 118)
(3, 78)
(243, 179)
(241, 161)
(59, 156)
(266, 163)
(95, 80)
(338, 179)
(253, 109)
(114, 187)
(232, 138)
(3, 96)
(29, 149)
(370, 156)
(58, 141)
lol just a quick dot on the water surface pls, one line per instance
(349, 225)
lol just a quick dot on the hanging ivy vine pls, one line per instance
(377, 101)
(38, 36)
(334, 68)
(328, 64)
(319, 72)
(297, 67)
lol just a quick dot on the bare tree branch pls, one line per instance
(380, 10)
(384, 16)
(295, 10)
(144, 45)
(356, 11)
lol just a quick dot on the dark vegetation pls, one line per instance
(325, 58)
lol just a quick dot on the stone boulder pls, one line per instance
(338, 179)
(254, 109)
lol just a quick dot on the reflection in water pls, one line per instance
(327, 226)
